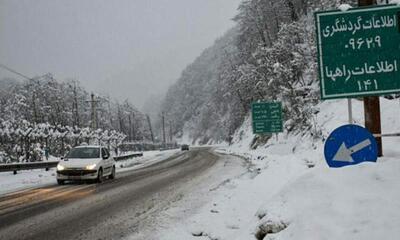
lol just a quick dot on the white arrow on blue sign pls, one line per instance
(350, 144)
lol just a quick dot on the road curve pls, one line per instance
(111, 210)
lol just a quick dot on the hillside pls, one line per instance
(266, 56)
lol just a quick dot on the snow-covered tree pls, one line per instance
(269, 55)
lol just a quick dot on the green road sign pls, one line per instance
(267, 117)
(359, 51)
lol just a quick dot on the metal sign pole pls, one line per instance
(372, 113)
(350, 110)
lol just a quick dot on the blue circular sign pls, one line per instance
(350, 144)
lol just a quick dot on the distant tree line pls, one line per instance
(44, 113)
(24, 141)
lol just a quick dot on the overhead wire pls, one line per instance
(14, 71)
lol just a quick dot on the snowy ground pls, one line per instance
(198, 192)
(149, 157)
(287, 192)
(37, 178)
(290, 193)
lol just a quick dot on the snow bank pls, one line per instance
(26, 179)
(291, 193)
(394, 2)
(148, 158)
(344, 7)
(359, 202)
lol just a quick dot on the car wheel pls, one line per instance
(112, 175)
(100, 176)
(60, 182)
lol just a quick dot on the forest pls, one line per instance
(269, 55)
(44, 114)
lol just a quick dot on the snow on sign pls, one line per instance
(359, 51)
(350, 144)
(267, 117)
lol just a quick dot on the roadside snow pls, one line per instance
(26, 179)
(149, 158)
(179, 219)
(348, 203)
(344, 7)
(394, 2)
(39, 177)
(290, 193)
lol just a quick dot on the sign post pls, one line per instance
(267, 117)
(350, 110)
(372, 112)
(359, 55)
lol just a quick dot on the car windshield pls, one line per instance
(84, 153)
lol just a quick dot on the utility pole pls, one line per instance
(130, 128)
(170, 131)
(93, 102)
(372, 112)
(120, 119)
(109, 110)
(93, 106)
(151, 130)
(35, 115)
(163, 127)
(133, 127)
(75, 104)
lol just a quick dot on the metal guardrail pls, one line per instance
(120, 158)
(15, 167)
(169, 148)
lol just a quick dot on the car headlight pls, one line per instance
(60, 167)
(90, 167)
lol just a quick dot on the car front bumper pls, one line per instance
(76, 174)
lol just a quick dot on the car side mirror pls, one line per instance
(105, 157)
(62, 158)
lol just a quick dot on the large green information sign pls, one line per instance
(359, 51)
(267, 117)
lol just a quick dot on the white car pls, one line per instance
(86, 163)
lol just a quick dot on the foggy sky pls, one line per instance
(127, 48)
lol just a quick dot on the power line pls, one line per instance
(14, 71)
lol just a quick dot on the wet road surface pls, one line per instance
(111, 210)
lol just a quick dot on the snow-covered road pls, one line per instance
(131, 206)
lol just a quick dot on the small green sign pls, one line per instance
(359, 51)
(267, 117)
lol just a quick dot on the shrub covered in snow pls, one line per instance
(25, 141)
